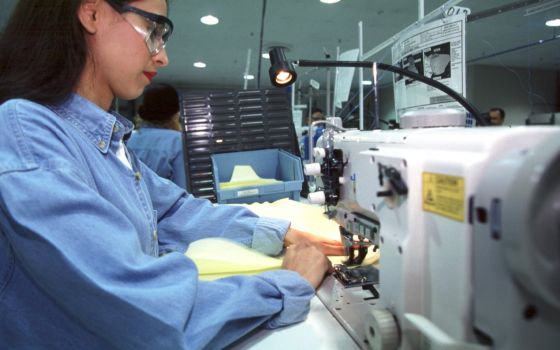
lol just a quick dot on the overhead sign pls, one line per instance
(435, 50)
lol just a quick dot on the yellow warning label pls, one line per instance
(444, 195)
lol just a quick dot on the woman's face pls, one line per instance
(123, 65)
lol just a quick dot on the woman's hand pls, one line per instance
(324, 245)
(308, 261)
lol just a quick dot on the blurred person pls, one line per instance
(496, 116)
(317, 131)
(158, 141)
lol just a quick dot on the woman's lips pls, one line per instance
(150, 75)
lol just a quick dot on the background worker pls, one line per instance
(158, 141)
(497, 116)
(317, 131)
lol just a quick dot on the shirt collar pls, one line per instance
(98, 125)
(146, 124)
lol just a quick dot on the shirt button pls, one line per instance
(101, 144)
(154, 235)
(137, 176)
(115, 128)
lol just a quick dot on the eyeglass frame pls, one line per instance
(158, 19)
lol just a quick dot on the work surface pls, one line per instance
(320, 331)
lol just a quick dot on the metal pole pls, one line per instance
(329, 92)
(420, 9)
(309, 130)
(376, 116)
(335, 79)
(361, 74)
(247, 64)
(293, 93)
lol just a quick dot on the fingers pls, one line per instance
(332, 241)
(308, 261)
(326, 246)
(333, 248)
(333, 251)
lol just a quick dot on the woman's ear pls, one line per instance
(88, 13)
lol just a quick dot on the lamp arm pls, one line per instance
(394, 69)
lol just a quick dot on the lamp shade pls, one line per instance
(281, 71)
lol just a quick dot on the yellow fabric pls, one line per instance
(303, 216)
(216, 258)
(245, 176)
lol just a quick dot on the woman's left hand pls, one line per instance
(326, 246)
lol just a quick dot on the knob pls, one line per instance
(316, 197)
(312, 169)
(382, 330)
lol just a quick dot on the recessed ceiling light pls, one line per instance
(266, 56)
(249, 77)
(199, 65)
(329, 1)
(553, 22)
(209, 20)
(366, 82)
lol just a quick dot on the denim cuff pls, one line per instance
(296, 295)
(268, 237)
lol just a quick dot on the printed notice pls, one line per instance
(435, 50)
(444, 195)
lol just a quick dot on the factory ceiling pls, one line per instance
(501, 32)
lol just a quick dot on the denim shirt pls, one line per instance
(91, 252)
(162, 150)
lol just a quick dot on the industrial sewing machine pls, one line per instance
(467, 223)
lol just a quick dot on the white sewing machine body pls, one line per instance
(462, 264)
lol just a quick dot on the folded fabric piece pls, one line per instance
(217, 257)
(303, 216)
(245, 176)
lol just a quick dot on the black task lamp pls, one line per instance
(282, 73)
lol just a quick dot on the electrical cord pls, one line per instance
(434, 83)
(260, 44)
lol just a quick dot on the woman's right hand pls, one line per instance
(308, 261)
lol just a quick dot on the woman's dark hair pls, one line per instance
(316, 110)
(43, 51)
(161, 103)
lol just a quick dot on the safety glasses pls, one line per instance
(154, 28)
